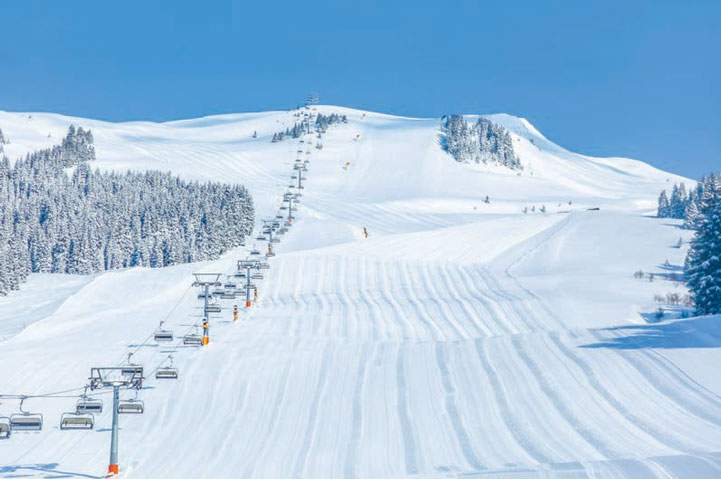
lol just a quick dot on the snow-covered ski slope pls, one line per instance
(460, 339)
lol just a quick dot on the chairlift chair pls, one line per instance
(257, 276)
(228, 296)
(5, 429)
(193, 339)
(163, 334)
(89, 405)
(168, 371)
(131, 369)
(131, 406)
(77, 421)
(214, 308)
(255, 251)
(260, 238)
(26, 421)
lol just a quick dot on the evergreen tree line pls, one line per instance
(703, 261)
(322, 122)
(480, 141)
(82, 221)
(688, 205)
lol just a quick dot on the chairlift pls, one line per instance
(214, 308)
(201, 295)
(255, 251)
(77, 421)
(86, 404)
(228, 296)
(260, 238)
(167, 372)
(218, 291)
(131, 369)
(230, 285)
(163, 335)
(256, 276)
(131, 406)
(264, 265)
(26, 421)
(270, 254)
(193, 339)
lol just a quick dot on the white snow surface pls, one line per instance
(460, 339)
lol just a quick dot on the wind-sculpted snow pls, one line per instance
(461, 338)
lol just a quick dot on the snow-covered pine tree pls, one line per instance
(482, 141)
(663, 205)
(703, 263)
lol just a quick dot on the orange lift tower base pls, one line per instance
(206, 333)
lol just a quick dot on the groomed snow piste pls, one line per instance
(462, 338)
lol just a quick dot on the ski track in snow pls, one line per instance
(429, 349)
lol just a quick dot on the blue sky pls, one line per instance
(631, 78)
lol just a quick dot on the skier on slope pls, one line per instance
(365, 232)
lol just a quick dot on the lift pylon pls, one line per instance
(205, 281)
(115, 378)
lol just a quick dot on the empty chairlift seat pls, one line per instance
(89, 405)
(167, 373)
(131, 406)
(193, 339)
(257, 276)
(77, 421)
(131, 370)
(163, 334)
(214, 308)
(26, 422)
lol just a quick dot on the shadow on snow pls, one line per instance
(698, 332)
